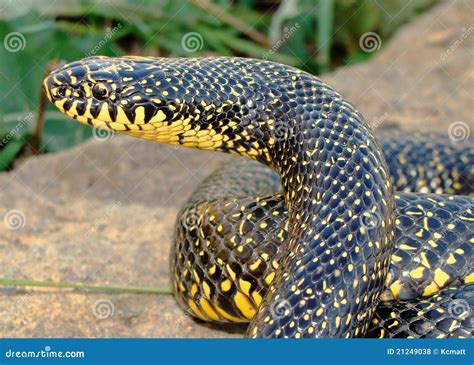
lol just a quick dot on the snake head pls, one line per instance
(128, 94)
(152, 98)
(218, 104)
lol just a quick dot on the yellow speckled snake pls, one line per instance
(308, 239)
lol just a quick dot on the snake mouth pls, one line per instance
(96, 123)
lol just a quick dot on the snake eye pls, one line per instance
(61, 91)
(100, 91)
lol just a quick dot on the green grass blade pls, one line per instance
(102, 288)
(324, 34)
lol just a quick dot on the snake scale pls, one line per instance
(307, 237)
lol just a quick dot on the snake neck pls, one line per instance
(334, 177)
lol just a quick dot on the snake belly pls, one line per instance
(336, 189)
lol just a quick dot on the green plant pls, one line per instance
(314, 35)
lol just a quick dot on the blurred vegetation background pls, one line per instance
(315, 35)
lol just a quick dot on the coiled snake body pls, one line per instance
(336, 253)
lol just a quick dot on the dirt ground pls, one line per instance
(103, 212)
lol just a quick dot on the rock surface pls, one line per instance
(103, 212)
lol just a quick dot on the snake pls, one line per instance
(325, 229)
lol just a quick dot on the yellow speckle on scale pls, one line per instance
(244, 305)
(226, 315)
(469, 278)
(394, 324)
(245, 286)
(104, 113)
(430, 289)
(253, 266)
(160, 116)
(257, 298)
(451, 259)
(194, 289)
(395, 258)
(139, 115)
(207, 289)
(192, 305)
(424, 260)
(208, 309)
(440, 277)
(453, 325)
(395, 288)
(348, 319)
(231, 272)
(121, 117)
(417, 273)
